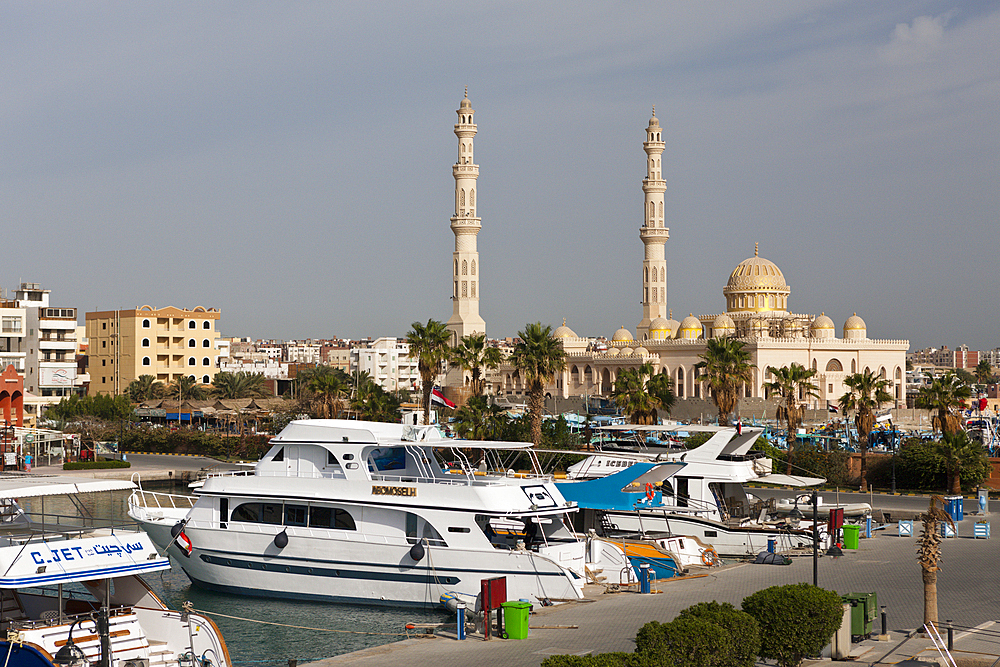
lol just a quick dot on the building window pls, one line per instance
(465, 288)
(192, 343)
(145, 361)
(104, 362)
(191, 361)
(473, 288)
(145, 324)
(206, 325)
(465, 267)
(192, 324)
(145, 342)
(205, 379)
(11, 325)
(104, 343)
(206, 362)
(473, 267)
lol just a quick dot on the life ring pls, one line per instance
(649, 490)
(709, 557)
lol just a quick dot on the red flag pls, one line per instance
(982, 404)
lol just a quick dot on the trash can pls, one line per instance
(515, 619)
(852, 536)
(953, 505)
(863, 612)
(772, 545)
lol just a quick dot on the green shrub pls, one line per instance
(796, 621)
(96, 465)
(743, 629)
(686, 641)
(602, 660)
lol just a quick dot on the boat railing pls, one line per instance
(157, 500)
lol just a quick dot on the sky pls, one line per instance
(290, 163)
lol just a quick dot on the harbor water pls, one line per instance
(276, 630)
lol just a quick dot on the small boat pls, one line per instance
(803, 503)
(366, 512)
(71, 589)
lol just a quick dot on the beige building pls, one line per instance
(163, 342)
(756, 297)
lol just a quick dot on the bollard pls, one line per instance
(885, 631)
(292, 662)
(951, 636)
(460, 620)
(644, 579)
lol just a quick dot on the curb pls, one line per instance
(165, 454)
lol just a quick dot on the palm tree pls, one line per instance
(727, 367)
(791, 383)
(943, 394)
(957, 450)
(984, 372)
(329, 390)
(640, 397)
(537, 357)
(929, 555)
(475, 420)
(238, 385)
(474, 355)
(661, 388)
(373, 403)
(429, 346)
(867, 394)
(144, 388)
(185, 387)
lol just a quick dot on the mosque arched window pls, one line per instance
(465, 267)
(462, 198)
(473, 267)
(834, 365)
(456, 267)
(456, 288)
(854, 366)
(473, 288)
(465, 288)
(663, 275)
(680, 383)
(814, 366)
(646, 295)
(654, 295)
(645, 274)
(661, 210)
(472, 197)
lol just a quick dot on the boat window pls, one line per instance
(330, 517)
(418, 530)
(295, 515)
(280, 456)
(458, 529)
(259, 513)
(223, 512)
(331, 460)
(388, 458)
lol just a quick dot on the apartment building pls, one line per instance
(12, 335)
(388, 362)
(50, 369)
(166, 343)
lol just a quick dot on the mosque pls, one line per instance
(757, 314)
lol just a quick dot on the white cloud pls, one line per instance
(915, 42)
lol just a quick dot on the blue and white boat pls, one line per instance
(71, 590)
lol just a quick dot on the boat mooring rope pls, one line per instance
(301, 627)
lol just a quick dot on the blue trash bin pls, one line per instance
(954, 507)
(772, 545)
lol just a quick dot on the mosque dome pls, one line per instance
(612, 352)
(659, 329)
(822, 327)
(723, 326)
(756, 285)
(563, 331)
(626, 352)
(621, 335)
(690, 328)
(673, 326)
(855, 327)
(641, 351)
(466, 104)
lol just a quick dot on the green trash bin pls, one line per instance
(515, 619)
(852, 536)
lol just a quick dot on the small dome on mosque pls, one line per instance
(612, 352)
(654, 121)
(855, 327)
(563, 331)
(723, 325)
(690, 327)
(626, 352)
(641, 351)
(659, 329)
(466, 104)
(673, 325)
(822, 327)
(622, 334)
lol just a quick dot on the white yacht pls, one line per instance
(704, 499)
(366, 512)
(70, 586)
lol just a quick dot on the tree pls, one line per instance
(144, 388)
(791, 383)
(958, 452)
(942, 395)
(537, 357)
(473, 354)
(238, 385)
(373, 403)
(867, 394)
(929, 555)
(984, 372)
(640, 397)
(796, 620)
(726, 365)
(328, 390)
(429, 346)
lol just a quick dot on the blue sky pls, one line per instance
(290, 163)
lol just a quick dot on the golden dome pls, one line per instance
(822, 322)
(563, 331)
(612, 352)
(622, 334)
(659, 324)
(626, 352)
(641, 351)
(723, 325)
(855, 323)
(756, 273)
(690, 327)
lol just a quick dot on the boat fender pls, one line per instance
(281, 540)
(417, 552)
(176, 529)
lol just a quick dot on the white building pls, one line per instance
(50, 364)
(12, 335)
(387, 361)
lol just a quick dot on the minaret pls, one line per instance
(653, 233)
(466, 270)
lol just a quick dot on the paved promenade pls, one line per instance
(968, 593)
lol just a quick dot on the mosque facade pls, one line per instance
(757, 302)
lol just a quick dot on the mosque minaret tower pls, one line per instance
(653, 233)
(466, 269)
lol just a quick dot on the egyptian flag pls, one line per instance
(437, 398)
(831, 407)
